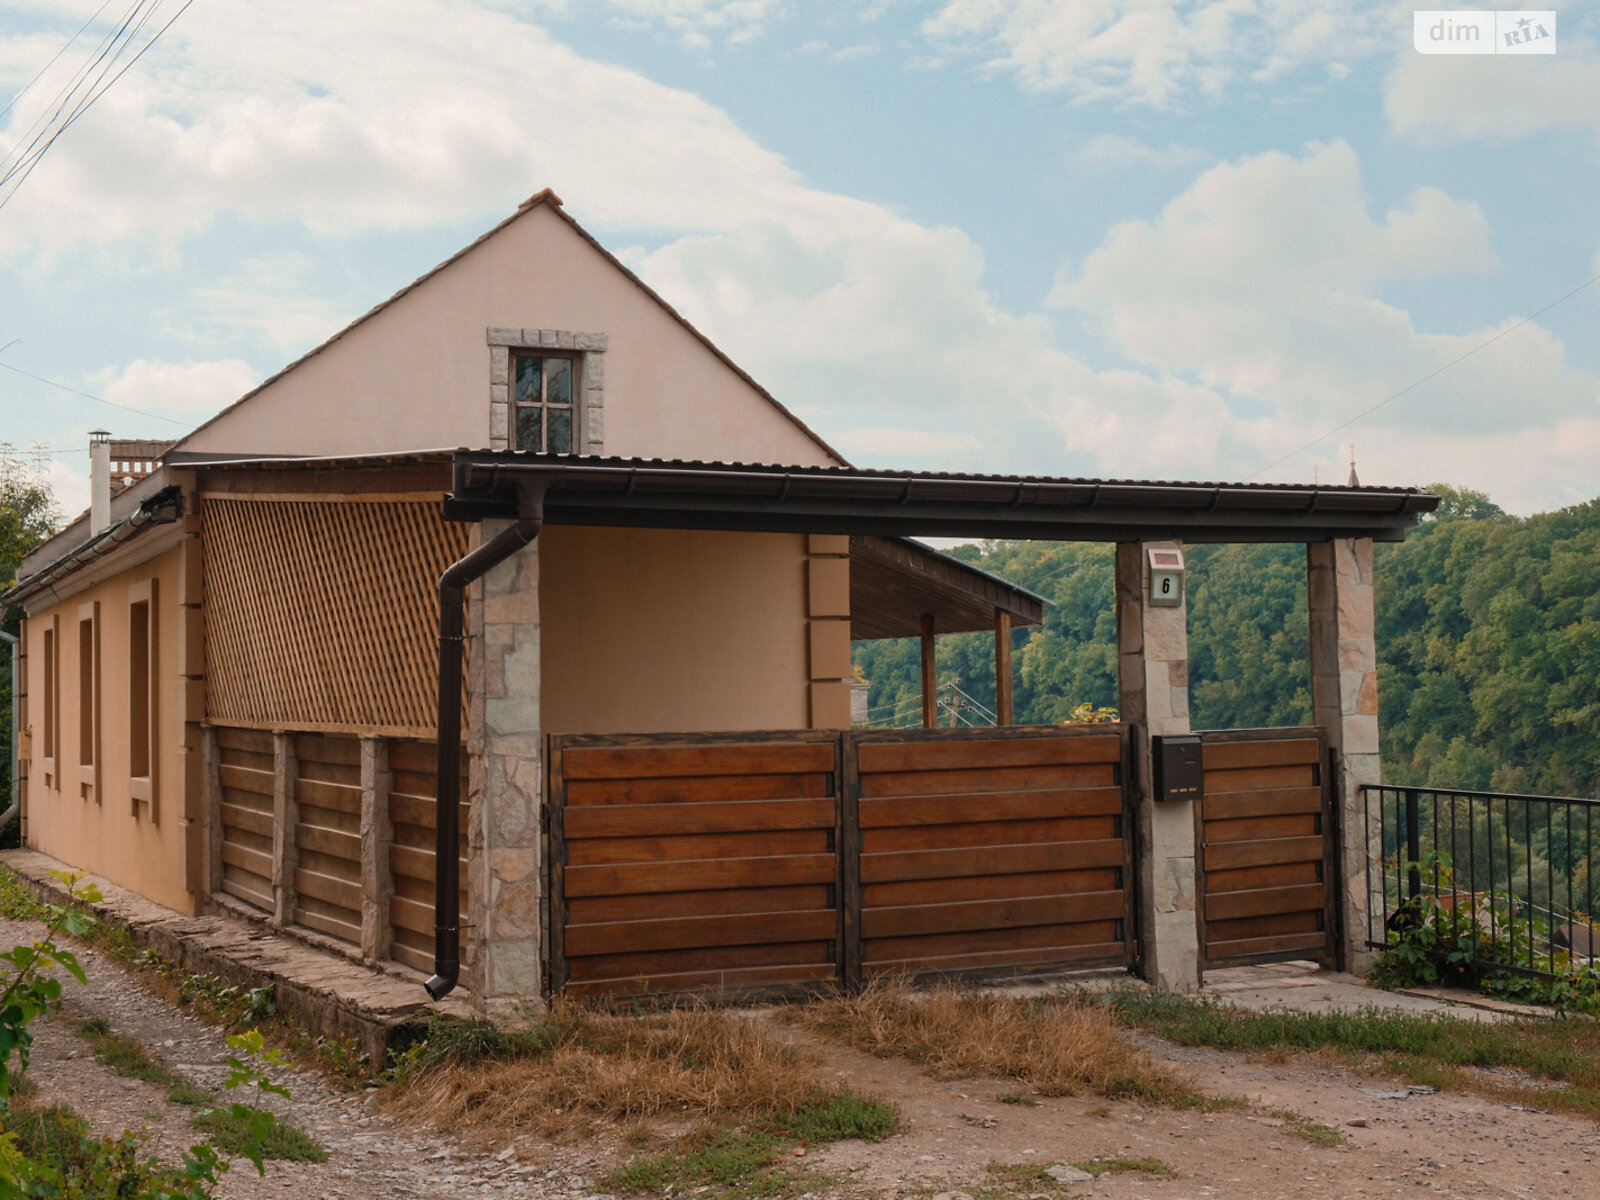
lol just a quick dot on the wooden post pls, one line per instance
(285, 816)
(377, 834)
(1002, 667)
(930, 698)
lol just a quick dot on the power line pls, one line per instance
(1487, 342)
(104, 59)
(54, 57)
(98, 399)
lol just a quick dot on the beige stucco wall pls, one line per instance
(104, 835)
(665, 631)
(416, 375)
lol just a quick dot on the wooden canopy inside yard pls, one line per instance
(895, 582)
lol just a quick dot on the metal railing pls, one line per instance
(1507, 877)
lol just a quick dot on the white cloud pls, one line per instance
(1261, 279)
(1454, 97)
(68, 485)
(883, 441)
(1157, 53)
(191, 389)
(1113, 152)
(698, 21)
(356, 129)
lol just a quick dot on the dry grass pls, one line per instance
(581, 1066)
(1058, 1045)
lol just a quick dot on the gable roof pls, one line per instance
(547, 199)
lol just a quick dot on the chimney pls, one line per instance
(99, 480)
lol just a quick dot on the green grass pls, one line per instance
(727, 1165)
(124, 1056)
(228, 1133)
(1314, 1132)
(1443, 1052)
(748, 1163)
(16, 901)
(1025, 1099)
(187, 1095)
(841, 1116)
(233, 1135)
(1010, 1180)
(1112, 1166)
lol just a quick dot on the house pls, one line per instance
(569, 707)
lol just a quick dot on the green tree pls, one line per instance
(27, 516)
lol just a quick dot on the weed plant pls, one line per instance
(1063, 1045)
(1494, 1058)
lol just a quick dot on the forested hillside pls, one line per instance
(1488, 644)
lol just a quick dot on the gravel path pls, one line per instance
(370, 1155)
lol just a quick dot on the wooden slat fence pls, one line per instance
(245, 812)
(766, 862)
(991, 849)
(1264, 833)
(693, 865)
(413, 813)
(327, 835)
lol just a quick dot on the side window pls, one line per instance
(89, 700)
(543, 390)
(50, 752)
(142, 701)
(547, 391)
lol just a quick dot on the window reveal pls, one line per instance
(543, 390)
(88, 699)
(142, 701)
(52, 703)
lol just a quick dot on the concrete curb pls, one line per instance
(316, 990)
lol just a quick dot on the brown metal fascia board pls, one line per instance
(833, 501)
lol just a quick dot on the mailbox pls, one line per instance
(1166, 576)
(1178, 772)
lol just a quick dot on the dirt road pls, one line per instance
(1449, 1145)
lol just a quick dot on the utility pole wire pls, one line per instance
(1430, 375)
(54, 57)
(87, 396)
(126, 32)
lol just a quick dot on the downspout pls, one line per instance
(15, 808)
(452, 601)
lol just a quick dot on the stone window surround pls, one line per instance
(589, 405)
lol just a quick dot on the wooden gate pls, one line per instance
(764, 862)
(1267, 845)
(994, 848)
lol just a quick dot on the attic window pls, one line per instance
(544, 388)
(547, 391)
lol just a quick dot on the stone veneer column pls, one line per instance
(1153, 675)
(506, 785)
(1344, 698)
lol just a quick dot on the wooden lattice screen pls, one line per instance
(323, 614)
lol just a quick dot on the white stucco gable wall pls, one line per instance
(415, 373)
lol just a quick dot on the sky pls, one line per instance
(1220, 240)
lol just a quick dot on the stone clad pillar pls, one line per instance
(1344, 698)
(1153, 675)
(502, 946)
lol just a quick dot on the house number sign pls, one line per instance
(1166, 577)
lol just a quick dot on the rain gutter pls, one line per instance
(452, 602)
